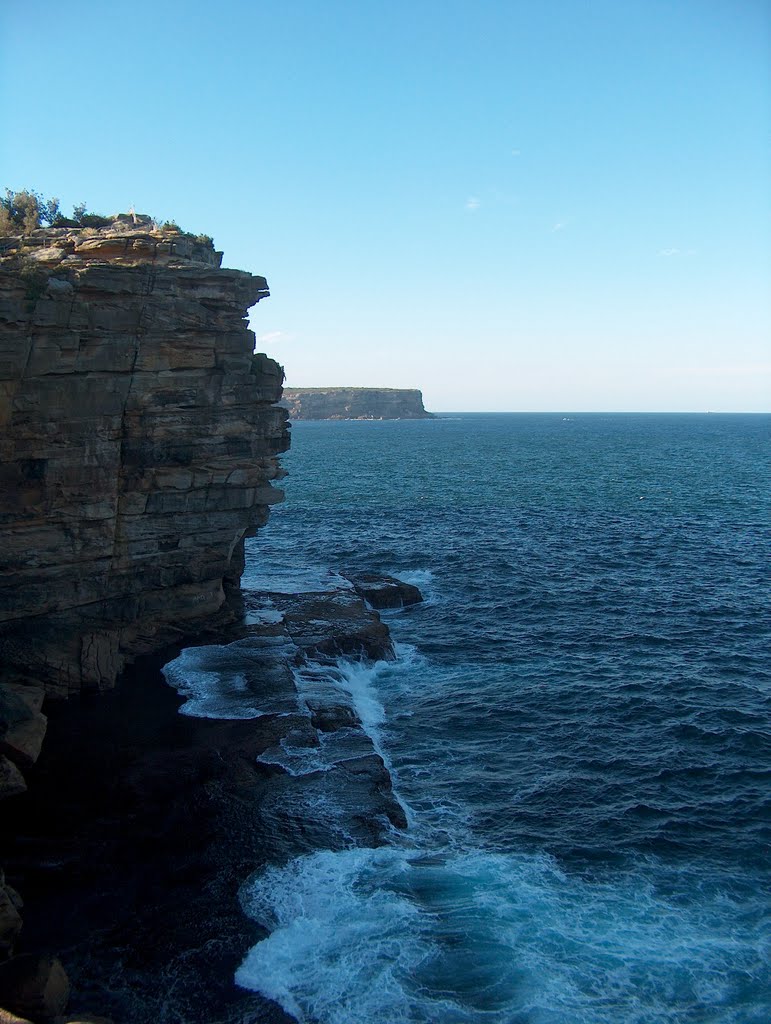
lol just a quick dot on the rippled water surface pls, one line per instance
(578, 723)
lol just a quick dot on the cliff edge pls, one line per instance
(355, 404)
(138, 444)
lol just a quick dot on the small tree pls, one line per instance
(22, 208)
(27, 210)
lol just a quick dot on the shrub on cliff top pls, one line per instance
(27, 210)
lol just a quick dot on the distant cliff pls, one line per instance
(354, 404)
(138, 442)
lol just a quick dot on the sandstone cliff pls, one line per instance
(354, 404)
(138, 442)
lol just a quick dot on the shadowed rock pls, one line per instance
(34, 986)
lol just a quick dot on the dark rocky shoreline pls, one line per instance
(140, 825)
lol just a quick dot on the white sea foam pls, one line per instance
(263, 616)
(297, 760)
(417, 577)
(358, 685)
(360, 682)
(229, 681)
(358, 679)
(389, 936)
(318, 963)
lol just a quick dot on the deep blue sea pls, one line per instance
(578, 723)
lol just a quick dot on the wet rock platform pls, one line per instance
(141, 824)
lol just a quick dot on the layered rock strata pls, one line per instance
(139, 438)
(138, 442)
(355, 404)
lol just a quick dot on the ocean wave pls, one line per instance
(392, 935)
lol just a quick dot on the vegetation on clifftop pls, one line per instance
(29, 210)
(24, 211)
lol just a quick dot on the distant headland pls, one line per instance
(355, 404)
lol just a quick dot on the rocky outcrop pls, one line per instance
(138, 442)
(354, 404)
(382, 591)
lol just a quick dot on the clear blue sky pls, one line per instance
(511, 204)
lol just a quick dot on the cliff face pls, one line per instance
(138, 442)
(354, 404)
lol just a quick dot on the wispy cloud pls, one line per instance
(473, 203)
(558, 226)
(674, 251)
(516, 152)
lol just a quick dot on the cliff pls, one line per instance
(138, 442)
(354, 404)
(139, 437)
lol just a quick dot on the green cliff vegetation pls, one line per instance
(29, 210)
(24, 211)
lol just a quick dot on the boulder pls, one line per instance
(382, 591)
(11, 780)
(10, 923)
(34, 986)
(21, 728)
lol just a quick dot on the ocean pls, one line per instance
(577, 723)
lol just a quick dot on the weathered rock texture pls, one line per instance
(138, 442)
(354, 404)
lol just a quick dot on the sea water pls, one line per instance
(577, 724)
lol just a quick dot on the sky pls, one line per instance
(513, 205)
